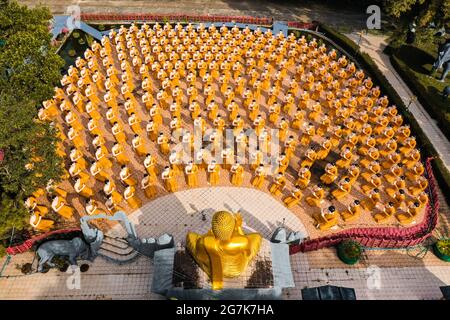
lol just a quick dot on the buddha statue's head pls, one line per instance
(223, 224)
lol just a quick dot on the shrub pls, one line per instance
(89, 39)
(442, 249)
(428, 96)
(443, 246)
(349, 251)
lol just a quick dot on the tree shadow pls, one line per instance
(415, 58)
(439, 97)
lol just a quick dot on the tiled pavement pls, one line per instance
(371, 282)
(411, 279)
(106, 280)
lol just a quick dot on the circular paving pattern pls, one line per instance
(192, 210)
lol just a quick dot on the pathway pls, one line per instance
(374, 46)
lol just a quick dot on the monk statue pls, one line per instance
(225, 250)
(443, 60)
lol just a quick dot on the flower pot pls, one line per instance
(349, 251)
(438, 252)
(345, 259)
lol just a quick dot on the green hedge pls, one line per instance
(372, 70)
(2, 251)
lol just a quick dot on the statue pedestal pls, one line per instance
(176, 275)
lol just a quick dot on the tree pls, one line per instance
(29, 71)
(427, 11)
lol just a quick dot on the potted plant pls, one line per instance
(76, 34)
(442, 249)
(349, 251)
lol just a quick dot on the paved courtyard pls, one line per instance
(393, 274)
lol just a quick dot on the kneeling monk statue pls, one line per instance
(225, 250)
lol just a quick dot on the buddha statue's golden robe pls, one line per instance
(225, 250)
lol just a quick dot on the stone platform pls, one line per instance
(176, 275)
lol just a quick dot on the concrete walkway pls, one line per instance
(374, 46)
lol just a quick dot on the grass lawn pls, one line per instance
(414, 64)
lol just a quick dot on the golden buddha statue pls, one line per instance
(225, 250)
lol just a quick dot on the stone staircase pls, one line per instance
(117, 250)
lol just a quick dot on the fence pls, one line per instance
(384, 237)
(303, 25)
(174, 18)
